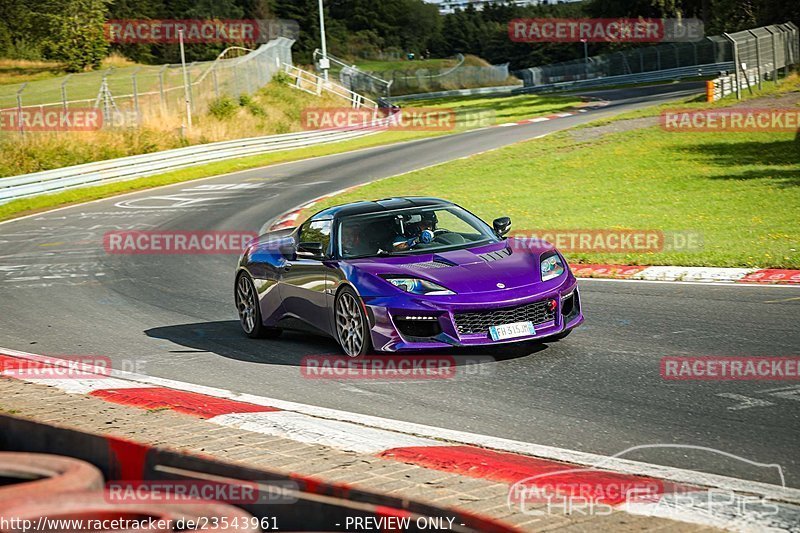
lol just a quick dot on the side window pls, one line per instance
(317, 231)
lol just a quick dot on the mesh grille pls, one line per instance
(479, 321)
(431, 264)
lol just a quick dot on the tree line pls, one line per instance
(71, 31)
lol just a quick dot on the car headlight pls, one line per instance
(552, 266)
(419, 286)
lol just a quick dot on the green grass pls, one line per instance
(740, 191)
(501, 109)
(44, 85)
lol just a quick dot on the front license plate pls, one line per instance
(511, 331)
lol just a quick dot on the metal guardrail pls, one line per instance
(313, 84)
(131, 167)
(644, 77)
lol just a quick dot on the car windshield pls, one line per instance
(411, 231)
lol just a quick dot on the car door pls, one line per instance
(305, 278)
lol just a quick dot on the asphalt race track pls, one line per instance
(598, 391)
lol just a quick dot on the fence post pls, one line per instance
(136, 94)
(735, 50)
(161, 89)
(19, 107)
(758, 57)
(64, 92)
(191, 92)
(774, 56)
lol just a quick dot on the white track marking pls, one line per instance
(744, 402)
(625, 466)
(79, 385)
(321, 431)
(678, 273)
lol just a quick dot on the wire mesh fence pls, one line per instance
(393, 82)
(765, 50)
(462, 77)
(353, 78)
(130, 96)
(769, 47)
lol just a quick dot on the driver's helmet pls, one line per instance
(429, 220)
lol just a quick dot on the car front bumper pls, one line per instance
(431, 323)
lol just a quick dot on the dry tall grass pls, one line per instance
(274, 109)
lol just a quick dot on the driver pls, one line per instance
(354, 241)
(411, 234)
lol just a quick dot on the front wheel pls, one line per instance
(250, 312)
(352, 327)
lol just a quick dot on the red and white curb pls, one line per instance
(688, 274)
(555, 116)
(515, 463)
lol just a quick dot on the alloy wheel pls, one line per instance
(246, 304)
(349, 324)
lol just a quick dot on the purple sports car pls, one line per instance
(405, 274)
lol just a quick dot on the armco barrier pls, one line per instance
(726, 85)
(306, 504)
(137, 166)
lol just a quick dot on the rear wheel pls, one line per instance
(352, 327)
(250, 312)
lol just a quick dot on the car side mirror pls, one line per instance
(501, 226)
(310, 250)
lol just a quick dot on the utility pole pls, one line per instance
(324, 62)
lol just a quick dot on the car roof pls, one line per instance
(377, 206)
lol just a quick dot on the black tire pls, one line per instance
(249, 311)
(352, 325)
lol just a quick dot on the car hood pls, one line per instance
(475, 270)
